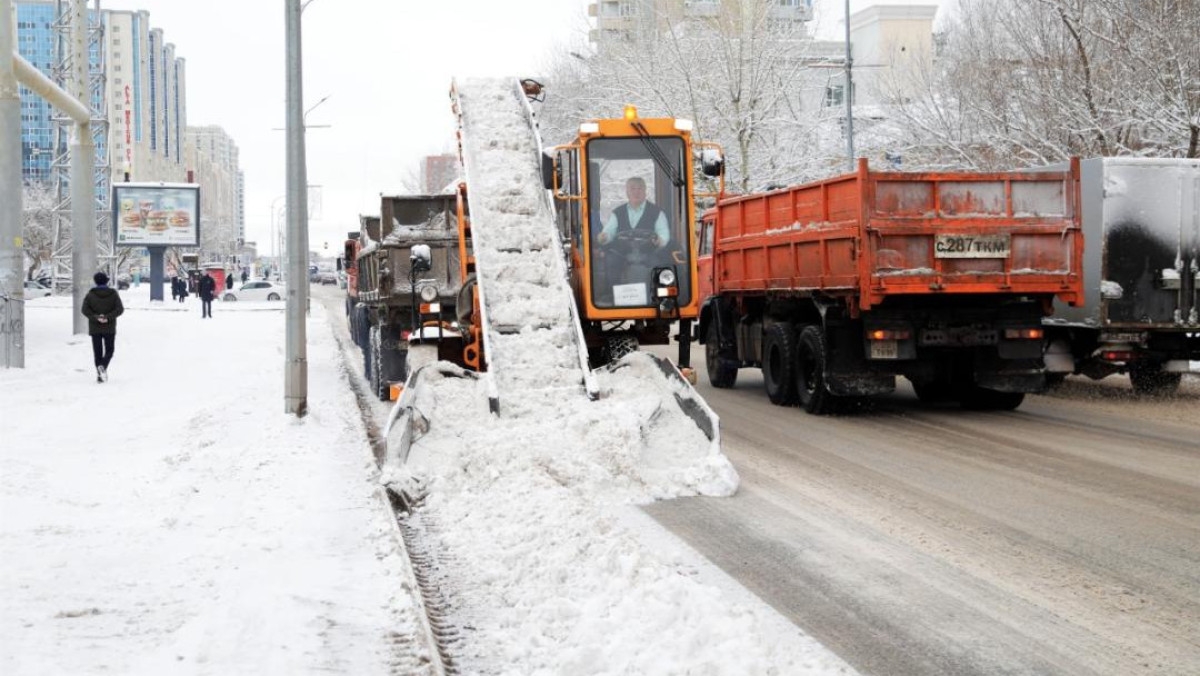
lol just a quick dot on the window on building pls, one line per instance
(117, 81)
(117, 68)
(833, 95)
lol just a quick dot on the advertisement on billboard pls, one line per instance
(156, 214)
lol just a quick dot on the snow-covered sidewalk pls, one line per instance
(175, 520)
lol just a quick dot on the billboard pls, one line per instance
(156, 214)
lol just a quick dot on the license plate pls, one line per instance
(972, 246)
(885, 349)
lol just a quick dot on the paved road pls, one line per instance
(1062, 538)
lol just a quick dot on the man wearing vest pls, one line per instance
(636, 232)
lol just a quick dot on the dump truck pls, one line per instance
(833, 288)
(387, 290)
(1141, 269)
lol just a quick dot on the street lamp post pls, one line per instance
(296, 368)
(848, 95)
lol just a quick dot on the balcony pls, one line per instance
(792, 10)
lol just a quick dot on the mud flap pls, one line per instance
(859, 384)
(1019, 381)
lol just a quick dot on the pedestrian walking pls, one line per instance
(102, 306)
(208, 289)
(245, 275)
(183, 290)
(175, 287)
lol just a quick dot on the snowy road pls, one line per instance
(1063, 538)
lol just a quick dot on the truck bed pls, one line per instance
(872, 235)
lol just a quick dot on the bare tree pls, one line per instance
(740, 73)
(1020, 84)
(37, 228)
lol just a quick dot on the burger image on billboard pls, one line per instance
(157, 221)
(180, 219)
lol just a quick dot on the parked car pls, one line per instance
(36, 289)
(327, 278)
(260, 289)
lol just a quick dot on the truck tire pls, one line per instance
(779, 364)
(1148, 377)
(811, 356)
(722, 371)
(379, 386)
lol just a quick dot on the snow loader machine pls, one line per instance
(554, 252)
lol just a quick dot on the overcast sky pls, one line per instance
(386, 66)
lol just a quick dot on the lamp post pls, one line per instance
(848, 95)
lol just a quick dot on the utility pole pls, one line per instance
(12, 282)
(848, 95)
(296, 367)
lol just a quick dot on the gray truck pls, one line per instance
(1141, 262)
(388, 293)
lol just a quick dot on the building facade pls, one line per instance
(212, 155)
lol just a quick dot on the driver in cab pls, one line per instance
(637, 220)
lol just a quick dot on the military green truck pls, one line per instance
(390, 294)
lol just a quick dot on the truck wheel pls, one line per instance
(379, 385)
(722, 371)
(983, 399)
(1148, 377)
(779, 364)
(810, 373)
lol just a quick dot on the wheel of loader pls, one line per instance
(810, 372)
(1149, 378)
(779, 364)
(379, 385)
(722, 371)
(616, 347)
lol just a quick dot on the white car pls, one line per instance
(36, 289)
(256, 290)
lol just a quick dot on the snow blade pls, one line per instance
(686, 397)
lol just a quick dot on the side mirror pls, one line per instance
(712, 162)
(421, 258)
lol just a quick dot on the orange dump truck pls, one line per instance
(836, 287)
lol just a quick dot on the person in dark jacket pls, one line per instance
(207, 289)
(175, 288)
(102, 306)
(183, 289)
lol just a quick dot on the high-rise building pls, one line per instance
(38, 26)
(212, 156)
(147, 99)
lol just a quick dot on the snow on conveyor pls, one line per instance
(526, 297)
